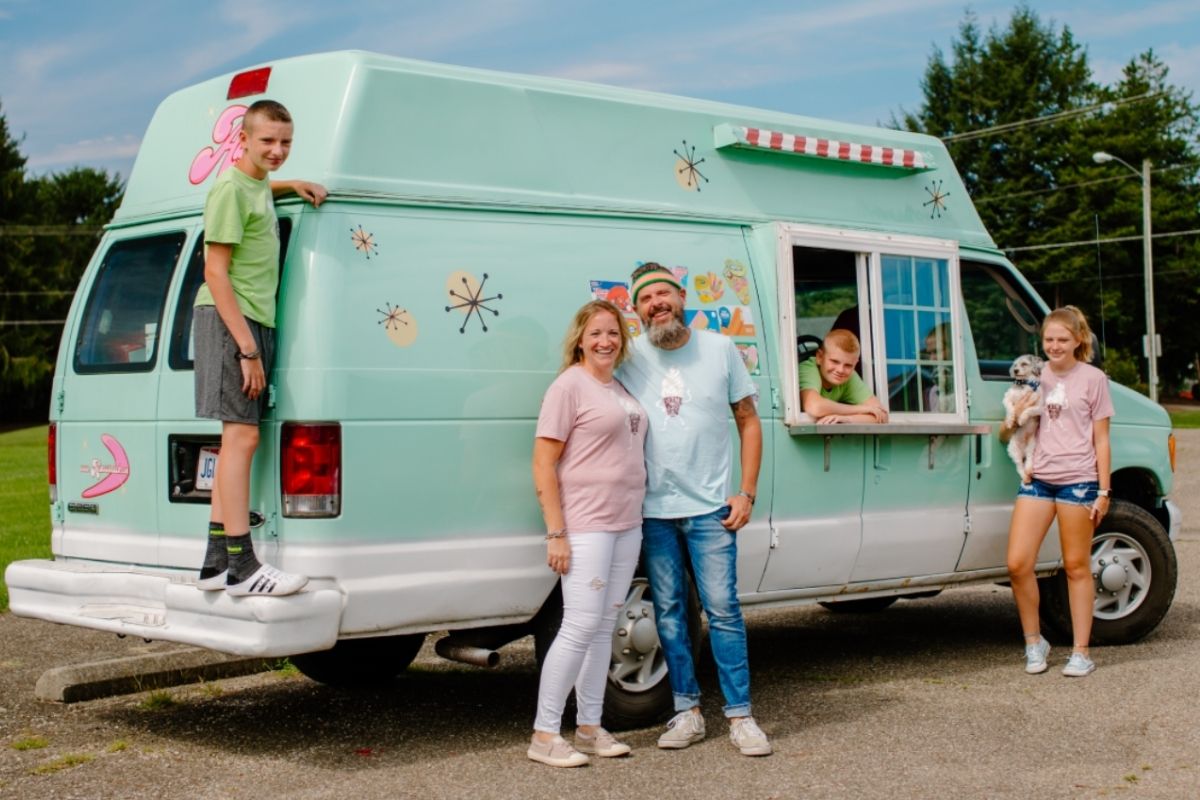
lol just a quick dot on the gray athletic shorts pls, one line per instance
(219, 392)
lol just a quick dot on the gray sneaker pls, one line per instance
(1035, 656)
(603, 744)
(685, 728)
(748, 737)
(1079, 666)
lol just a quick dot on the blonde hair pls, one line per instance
(843, 340)
(1074, 321)
(573, 351)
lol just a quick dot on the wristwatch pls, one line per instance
(1104, 492)
(747, 495)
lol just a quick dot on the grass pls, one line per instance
(1185, 418)
(25, 520)
(64, 762)
(30, 743)
(158, 700)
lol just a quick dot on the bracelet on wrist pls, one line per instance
(747, 495)
(558, 534)
(240, 356)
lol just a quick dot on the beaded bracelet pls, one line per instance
(558, 534)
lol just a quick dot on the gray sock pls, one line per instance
(216, 558)
(242, 563)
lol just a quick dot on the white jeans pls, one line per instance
(593, 590)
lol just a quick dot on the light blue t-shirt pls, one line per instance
(687, 394)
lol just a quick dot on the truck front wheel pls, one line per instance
(1134, 571)
(361, 662)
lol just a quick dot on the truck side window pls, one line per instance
(826, 286)
(917, 332)
(1004, 319)
(182, 353)
(121, 320)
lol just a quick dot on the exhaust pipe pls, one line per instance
(455, 649)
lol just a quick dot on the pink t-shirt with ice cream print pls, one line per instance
(602, 471)
(1065, 451)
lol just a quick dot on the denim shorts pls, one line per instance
(1075, 494)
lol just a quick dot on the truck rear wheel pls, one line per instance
(361, 662)
(1134, 570)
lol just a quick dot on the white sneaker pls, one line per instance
(603, 744)
(267, 582)
(214, 583)
(555, 753)
(1035, 656)
(1079, 666)
(748, 737)
(685, 728)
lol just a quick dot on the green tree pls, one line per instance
(1034, 183)
(48, 229)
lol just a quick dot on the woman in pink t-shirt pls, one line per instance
(1072, 465)
(590, 476)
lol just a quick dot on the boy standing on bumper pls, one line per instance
(234, 336)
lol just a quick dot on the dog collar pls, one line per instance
(1030, 382)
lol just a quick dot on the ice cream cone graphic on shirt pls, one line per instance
(674, 392)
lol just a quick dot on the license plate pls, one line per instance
(206, 469)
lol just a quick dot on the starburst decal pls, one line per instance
(687, 167)
(393, 317)
(937, 199)
(364, 242)
(473, 302)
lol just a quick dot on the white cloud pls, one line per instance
(108, 148)
(759, 50)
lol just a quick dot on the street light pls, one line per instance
(1151, 346)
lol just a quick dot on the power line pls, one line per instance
(1091, 242)
(51, 230)
(1047, 119)
(1125, 176)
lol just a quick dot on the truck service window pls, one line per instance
(119, 331)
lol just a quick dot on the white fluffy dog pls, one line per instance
(1025, 371)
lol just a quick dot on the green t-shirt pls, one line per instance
(853, 392)
(240, 211)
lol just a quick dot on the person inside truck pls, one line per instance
(234, 334)
(590, 476)
(1071, 482)
(690, 380)
(830, 390)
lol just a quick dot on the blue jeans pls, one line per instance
(712, 552)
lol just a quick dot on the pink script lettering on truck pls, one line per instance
(225, 140)
(115, 475)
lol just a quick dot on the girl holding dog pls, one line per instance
(1071, 482)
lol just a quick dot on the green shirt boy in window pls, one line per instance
(830, 389)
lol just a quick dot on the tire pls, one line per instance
(1134, 569)
(865, 605)
(638, 693)
(361, 662)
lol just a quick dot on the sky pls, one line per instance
(80, 79)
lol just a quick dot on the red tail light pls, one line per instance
(52, 461)
(310, 469)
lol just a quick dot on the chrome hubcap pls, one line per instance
(638, 663)
(1121, 571)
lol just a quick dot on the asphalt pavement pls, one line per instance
(925, 699)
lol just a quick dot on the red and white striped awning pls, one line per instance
(797, 144)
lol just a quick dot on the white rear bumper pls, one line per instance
(167, 606)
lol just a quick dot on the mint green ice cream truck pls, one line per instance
(421, 311)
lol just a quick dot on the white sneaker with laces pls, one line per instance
(685, 728)
(1035, 656)
(1079, 666)
(748, 737)
(555, 753)
(267, 581)
(602, 744)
